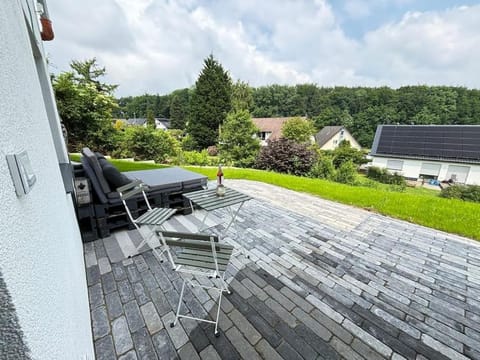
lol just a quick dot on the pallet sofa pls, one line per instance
(106, 212)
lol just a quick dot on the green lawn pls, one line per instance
(419, 206)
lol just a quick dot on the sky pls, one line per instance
(157, 46)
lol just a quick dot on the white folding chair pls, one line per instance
(201, 255)
(152, 219)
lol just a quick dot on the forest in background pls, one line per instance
(359, 109)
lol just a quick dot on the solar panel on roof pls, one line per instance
(449, 142)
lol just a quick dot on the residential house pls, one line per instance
(331, 136)
(442, 152)
(269, 128)
(44, 307)
(160, 123)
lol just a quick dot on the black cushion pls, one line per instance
(103, 162)
(114, 177)
(99, 155)
(97, 169)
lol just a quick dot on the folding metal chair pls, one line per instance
(201, 255)
(153, 218)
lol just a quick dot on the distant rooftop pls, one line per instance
(273, 125)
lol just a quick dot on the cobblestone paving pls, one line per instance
(323, 281)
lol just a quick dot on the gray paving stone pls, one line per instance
(161, 302)
(287, 352)
(134, 318)
(241, 344)
(266, 351)
(332, 326)
(401, 325)
(369, 284)
(104, 349)
(108, 283)
(104, 265)
(324, 308)
(366, 351)
(209, 353)
(345, 350)
(177, 334)
(100, 322)
(250, 333)
(436, 345)
(304, 305)
(163, 345)
(133, 274)
(151, 317)
(119, 272)
(254, 289)
(149, 280)
(95, 295)
(131, 355)
(140, 263)
(188, 352)
(140, 293)
(125, 291)
(143, 345)
(121, 335)
(315, 326)
(114, 305)
(93, 275)
(281, 312)
(367, 338)
(279, 297)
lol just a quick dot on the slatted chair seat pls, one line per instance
(200, 255)
(153, 219)
(155, 216)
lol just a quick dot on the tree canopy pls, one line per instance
(238, 146)
(85, 105)
(298, 129)
(210, 104)
(359, 109)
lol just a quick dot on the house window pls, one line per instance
(264, 135)
(395, 165)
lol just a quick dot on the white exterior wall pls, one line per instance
(333, 143)
(411, 168)
(40, 246)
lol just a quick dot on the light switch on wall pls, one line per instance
(22, 173)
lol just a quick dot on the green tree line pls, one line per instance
(359, 109)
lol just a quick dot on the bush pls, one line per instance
(346, 173)
(344, 152)
(383, 175)
(194, 158)
(323, 169)
(143, 143)
(286, 156)
(463, 192)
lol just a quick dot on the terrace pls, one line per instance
(323, 280)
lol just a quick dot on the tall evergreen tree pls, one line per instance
(179, 108)
(211, 102)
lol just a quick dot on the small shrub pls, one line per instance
(383, 175)
(463, 192)
(286, 156)
(194, 158)
(346, 173)
(323, 169)
(144, 143)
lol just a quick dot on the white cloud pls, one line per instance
(158, 46)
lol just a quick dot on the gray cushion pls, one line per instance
(97, 169)
(114, 177)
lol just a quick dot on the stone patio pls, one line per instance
(323, 281)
